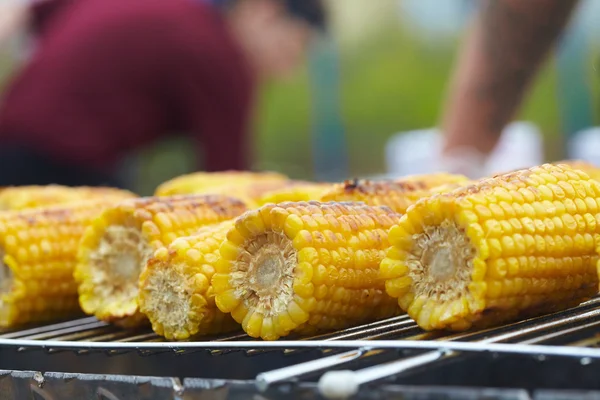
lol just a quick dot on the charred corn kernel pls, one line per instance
(454, 272)
(174, 287)
(398, 195)
(590, 169)
(204, 182)
(38, 250)
(25, 197)
(115, 249)
(295, 191)
(277, 278)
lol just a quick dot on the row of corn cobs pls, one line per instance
(211, 252)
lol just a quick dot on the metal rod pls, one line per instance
(563, 332)
(265, 379)
(343, 384)
(321, 344)
(50, 328)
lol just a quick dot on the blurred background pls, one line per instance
(383, 70)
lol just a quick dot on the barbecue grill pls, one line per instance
(550, 357)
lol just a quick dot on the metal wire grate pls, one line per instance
(91, 334)
(378, 351)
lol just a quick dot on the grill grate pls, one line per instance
(385, 350)
(91, 334)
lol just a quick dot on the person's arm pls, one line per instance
(507, 44)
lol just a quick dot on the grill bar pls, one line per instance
(366, 345)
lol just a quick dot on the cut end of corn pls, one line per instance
(175, 289)
(442, 261)
(305, 266)
(167, 299)
(116, 248)
(264, 273)
(115, 265)
(513, 246)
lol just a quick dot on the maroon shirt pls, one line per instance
(111, 75)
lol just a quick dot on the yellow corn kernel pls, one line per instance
(285, 274)
(174, 287)
(208, 182)
(39, 252)
(454, 272)
(436, 179)
(590, 169)
(115, 249)
(26, 197)
(295, 191)
(398, 195)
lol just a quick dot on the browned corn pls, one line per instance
(508, 247)
(39, 249)
(398, 195)
(304, 266)
(24, 197)
(175, 291)
(207, 182)
(116, 247)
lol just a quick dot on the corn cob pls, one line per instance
(24, 197)
(295, 191)
(434, 179)
(398, 195)
(590, 169)
(249, 192)
(175, 291)
(204, 182)
(304, 266)
(116, 247)
(508, 247)
(39, 249)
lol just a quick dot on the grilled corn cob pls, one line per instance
(434, 179)
(590, 169)
(398, 195)
(39, 249)
(249, 192)
(295, 191)
(304, 266)
(204, 182)
(24, 197)
(175, 291)
(508, 247)
(116, 247)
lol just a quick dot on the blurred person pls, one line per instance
(109, 76)
(505, 48)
